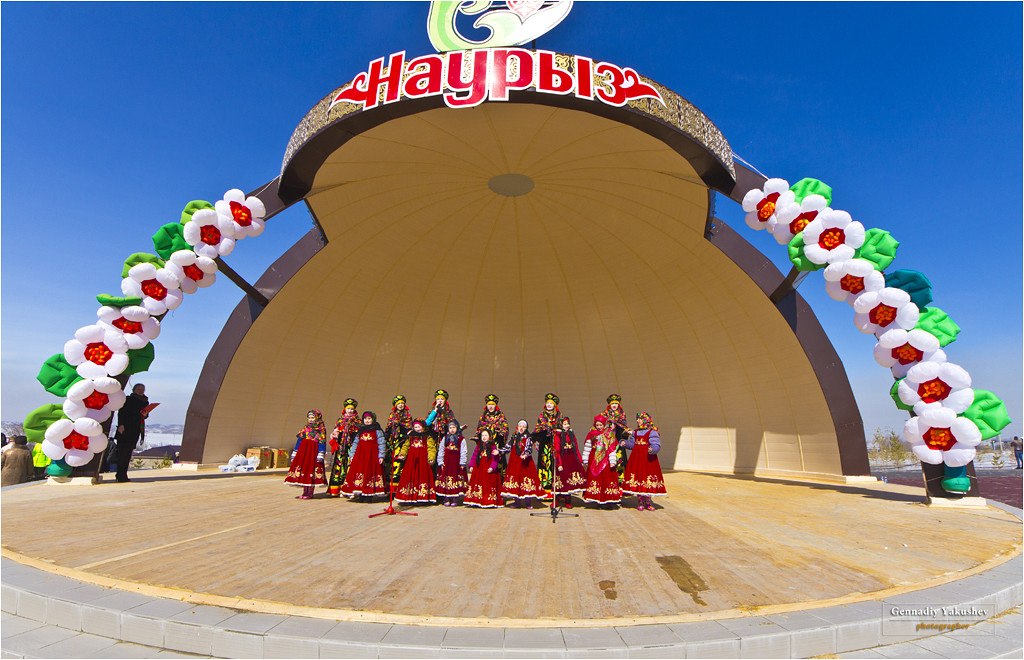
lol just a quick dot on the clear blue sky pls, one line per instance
(115, 115)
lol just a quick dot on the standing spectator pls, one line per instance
(16, 463)
(131, 421)
(1018, 451)
(39, 460)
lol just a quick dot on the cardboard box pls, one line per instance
(265, 454)
(282, 458)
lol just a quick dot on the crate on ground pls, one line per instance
(282, 458)
(265, 454)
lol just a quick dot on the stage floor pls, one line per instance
(717, 546)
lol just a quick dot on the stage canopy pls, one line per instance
(543, 244)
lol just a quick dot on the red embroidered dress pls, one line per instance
(521, 478)
(602, 481)
(484, 489)
(307, 464)
(451, 466)
(365, 476)
(643, 470)
(570, 475)
(416, 484)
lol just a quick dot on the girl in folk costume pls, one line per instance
(522, 482)
(549, 421)
(617, 419)
(643, 471)
(366, 457)
(399, 425)
(484, 489)
(599, 457)
(341, 441)
(440, 414)
(307, 465)
(492, 418)
(570, 475)
(451, 465)
(418, 453)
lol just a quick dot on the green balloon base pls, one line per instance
(956, 485)
(58, 469)
(956, 479)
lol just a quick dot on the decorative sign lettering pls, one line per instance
(468, 78)
(510, 23)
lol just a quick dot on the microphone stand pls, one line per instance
(391, 510)
(555, 511)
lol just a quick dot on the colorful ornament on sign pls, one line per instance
(510, 23)
(468, 78)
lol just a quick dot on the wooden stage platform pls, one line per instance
(718, 546)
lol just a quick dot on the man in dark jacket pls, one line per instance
(130, 422)
(16, 463)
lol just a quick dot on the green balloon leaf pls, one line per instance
(117, 301)
(59, 468)
(879, 248)
(894, 393)
(40, 419)
(57, 376)
(796, 255)
(192, 207)
(141, 258)
(913, 282)
(139, 359)
(988, 412)
(938, 323)
(805, 187)
(169, 239)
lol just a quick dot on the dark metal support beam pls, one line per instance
(240, 282)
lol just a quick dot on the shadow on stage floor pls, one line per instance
(839, 488)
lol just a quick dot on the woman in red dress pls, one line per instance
(570, 475)
(451, 465)
(365, 476)
(599, 457)
(484, 489)
(307, 465)
(418, 453)
(341, 441)
(616, 416)
(522, 483)
(643, 476)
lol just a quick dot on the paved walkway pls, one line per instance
(25, 638)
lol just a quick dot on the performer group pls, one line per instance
(428, 460)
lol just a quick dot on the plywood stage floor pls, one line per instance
(717, 546)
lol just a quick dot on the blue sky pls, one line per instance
(115, 115)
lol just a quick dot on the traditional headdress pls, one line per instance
(644, 421)
(421, 422)
(371, 415)
(443, 393)
(491, 398)
(350, 403)
(551, 396)
(398, 397)
(613, 397)
(600, 418)
(319, 415)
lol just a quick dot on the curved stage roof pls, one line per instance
(522, 247)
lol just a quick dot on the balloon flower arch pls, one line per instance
(948, 417)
